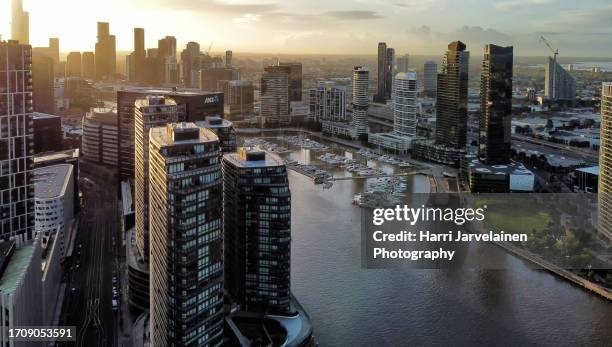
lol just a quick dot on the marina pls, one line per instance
(314, 201)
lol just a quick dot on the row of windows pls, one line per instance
(205, 229)
(199, 196)
(274, 208)
(206, 272)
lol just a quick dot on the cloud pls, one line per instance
(247, 18)
(596, 19)
(354, 15)
(474, 35)
(422, 30)
(250, 11)
(219, 6)
(415, 6)
(477, 34)
(513, 5)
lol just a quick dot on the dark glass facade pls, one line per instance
(106, 52)
(186, 260)
(210, 78)
(16, 142)
(295, 81)
(153, 111)
(192, 106)
(381, 90)
(452, 97)
(495, 105)
(43, 75)
(47, 133)
(389, 69)
(257, 229)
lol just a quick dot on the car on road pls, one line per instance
(88, 183)
(115, 305)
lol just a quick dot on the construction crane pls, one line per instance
(554, 51)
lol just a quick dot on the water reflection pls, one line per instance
(350, 306)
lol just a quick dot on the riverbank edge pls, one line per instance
(523, 254)
(556, 270)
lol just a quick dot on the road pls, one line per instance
(89, 296)
(588, 155)
(521, 142)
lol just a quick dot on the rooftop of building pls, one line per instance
(260, 158)
(71, 153)
(102, 115)
(512, 168)
(214, 122)
(51, 181)
(16, 268)
(181, 133)
(164, 91)
(593, 170)
(154, 100)
(39, 115)
(410, 75)
(554, 160)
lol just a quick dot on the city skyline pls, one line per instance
(316, 27)
(155, 191)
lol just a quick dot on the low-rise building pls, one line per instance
(502, 178)
(100, 137)
(586, 179)
(20, 287)
(339, 129)
(391, 141)
(70, 156)
(53, 201)
(430, 151)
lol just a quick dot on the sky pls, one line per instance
(578, 28)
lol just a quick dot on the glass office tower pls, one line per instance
(16, 142)
(495, 105)
(257, 217)
(186, 259)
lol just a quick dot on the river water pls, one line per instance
(350, 306)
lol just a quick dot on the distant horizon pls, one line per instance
(560, 58)
(318, 27)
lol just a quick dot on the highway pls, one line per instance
(89, 296)
(587, 155)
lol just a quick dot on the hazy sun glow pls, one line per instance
(320, 26)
